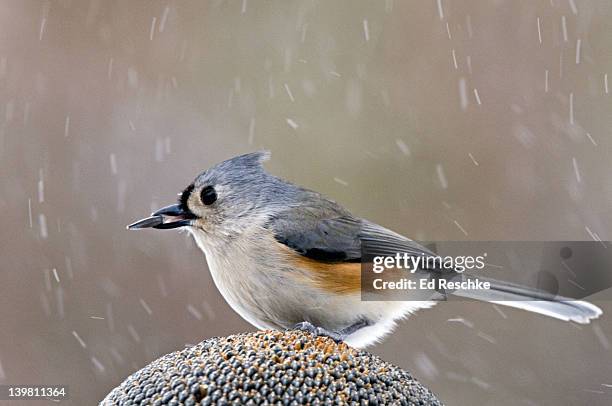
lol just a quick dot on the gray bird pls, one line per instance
(283, 256)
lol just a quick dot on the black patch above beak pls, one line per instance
(172, 216)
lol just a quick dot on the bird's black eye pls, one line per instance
(208, 195)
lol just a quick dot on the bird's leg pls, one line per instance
(347, 331)
(336, 336)
(318, 331)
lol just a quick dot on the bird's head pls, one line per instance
(224, 200)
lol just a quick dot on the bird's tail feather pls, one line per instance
(509, 294)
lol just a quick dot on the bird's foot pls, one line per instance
(319, 331)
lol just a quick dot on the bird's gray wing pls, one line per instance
(334, 235)
(379, 241)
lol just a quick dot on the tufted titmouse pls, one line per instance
(284, 256)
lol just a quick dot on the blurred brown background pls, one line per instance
(441, 120)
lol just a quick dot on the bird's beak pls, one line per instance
(172, 216)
